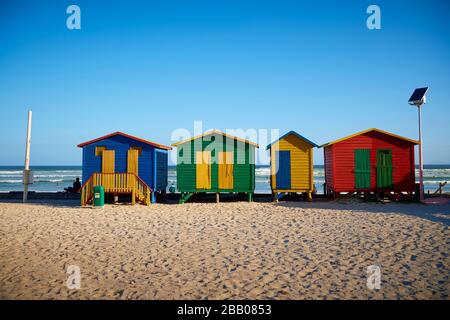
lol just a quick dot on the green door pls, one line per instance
(384, 169)
(362, 168)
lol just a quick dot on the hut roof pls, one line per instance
(370, 130)
(295, 134)
(208, 133)
(118, 133)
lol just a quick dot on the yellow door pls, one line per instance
(108, 161)
(226, 170)
(133, 162)
(203, 172)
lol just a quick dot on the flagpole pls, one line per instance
(26, 175)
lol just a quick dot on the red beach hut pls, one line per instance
(370, 161)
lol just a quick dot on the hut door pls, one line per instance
(283, 176)
(384, 168)
(133, 164)
(203, 169)
(226, 170)
(362, 168)
(108, 161)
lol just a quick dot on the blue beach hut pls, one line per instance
(124, 164)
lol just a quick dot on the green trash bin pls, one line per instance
(99, 196)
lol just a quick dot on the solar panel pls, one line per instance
(418, 94)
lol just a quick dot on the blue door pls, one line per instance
(283, 176)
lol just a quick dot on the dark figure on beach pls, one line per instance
(76, 187)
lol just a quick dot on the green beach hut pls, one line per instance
(215, 162)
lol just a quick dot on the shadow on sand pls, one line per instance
(435, 213)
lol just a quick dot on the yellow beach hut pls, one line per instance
(291, 165)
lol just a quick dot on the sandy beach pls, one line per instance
(236, 250)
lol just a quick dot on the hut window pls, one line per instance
(180, 153)
(139, 149)
(99, 151)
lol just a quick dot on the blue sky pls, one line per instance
(149, 67)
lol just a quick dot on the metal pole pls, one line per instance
(420, 153)
(27, 156)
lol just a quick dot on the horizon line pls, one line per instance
(174, 165)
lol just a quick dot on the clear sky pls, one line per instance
(149, 67)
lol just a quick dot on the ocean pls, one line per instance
(56, 178)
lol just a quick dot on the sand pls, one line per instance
(232, 250)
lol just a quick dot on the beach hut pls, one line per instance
(370, 161)
(124, 164)
(291, 165)
(215, 162)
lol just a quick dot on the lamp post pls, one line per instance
(419, 108)
(418, 99)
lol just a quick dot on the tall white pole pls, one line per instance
(419, 107)
(27, 157)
